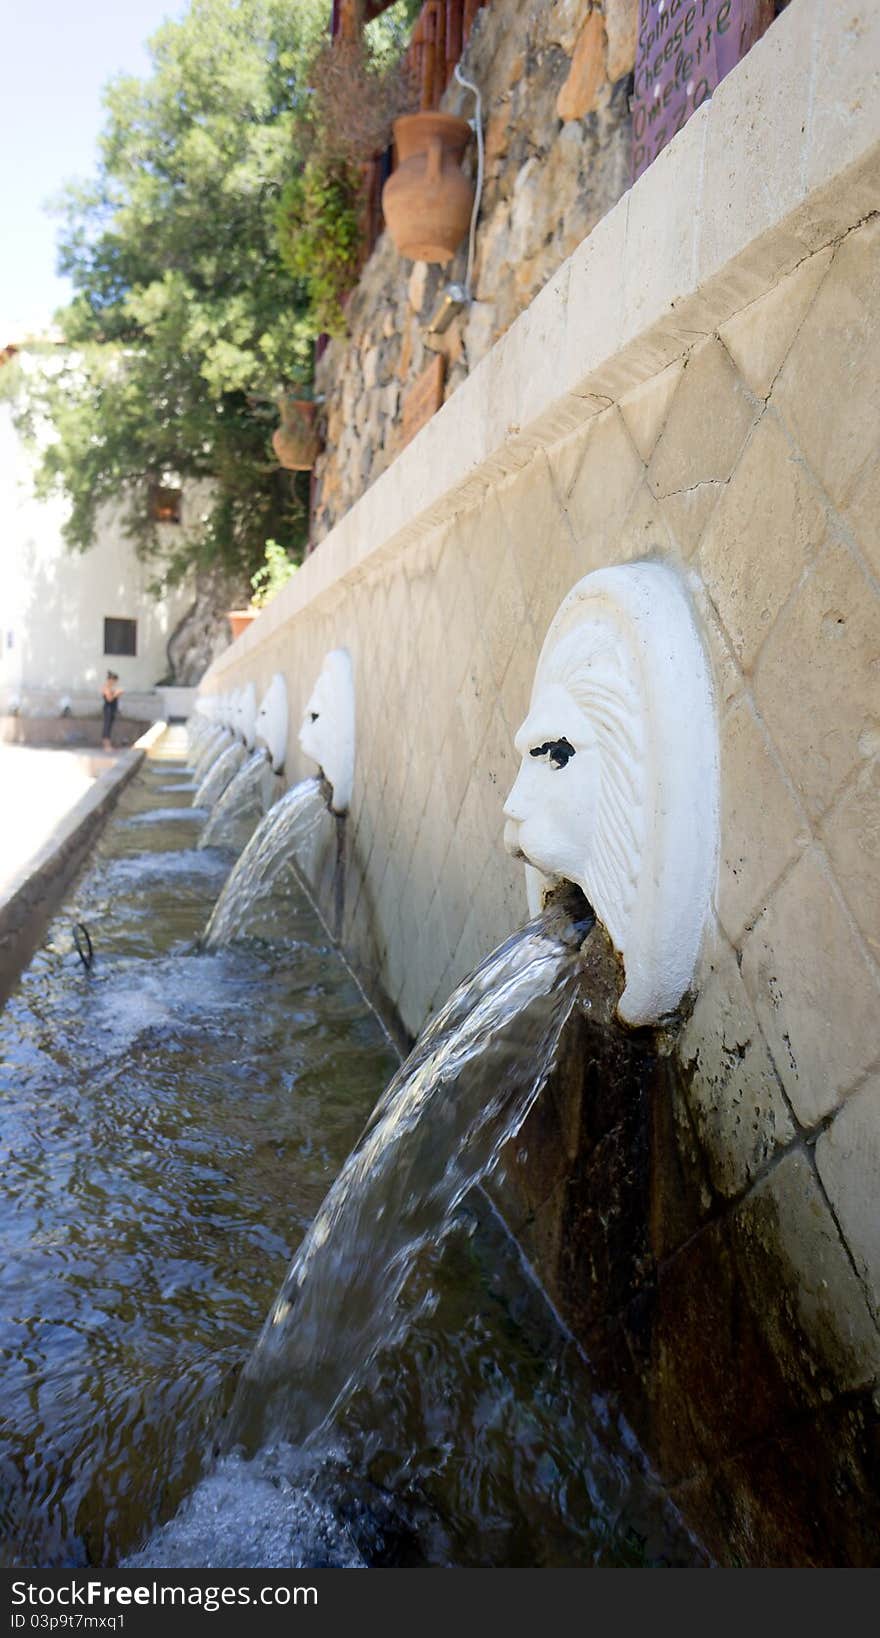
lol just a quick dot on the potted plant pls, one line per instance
(274, 572)
(296, 441)
(428, 200)
(239, 620)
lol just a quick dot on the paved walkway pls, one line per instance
(37, 789)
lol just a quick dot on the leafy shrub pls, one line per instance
(275, 573)
(319, 236)
(359, 87)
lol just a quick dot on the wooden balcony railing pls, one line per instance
(438, 40)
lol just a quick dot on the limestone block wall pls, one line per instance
(698, 382)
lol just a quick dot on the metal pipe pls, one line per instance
(477, 123)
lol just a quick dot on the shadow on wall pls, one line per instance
(52, 624)
(60, 627)
(356, 916)
(62, 624)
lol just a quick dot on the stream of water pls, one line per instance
(255, 898)
(219, 775)
(247, 797)
(439, 1129)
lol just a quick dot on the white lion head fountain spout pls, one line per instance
(246, 714)
(271, 724)
(618, 786)
(328, 732)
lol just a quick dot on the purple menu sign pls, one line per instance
(685, 48)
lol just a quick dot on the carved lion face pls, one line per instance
(327, 732)
(575, 809)
(551, 809)
(617, 786)
(271, 724)
(246, 714)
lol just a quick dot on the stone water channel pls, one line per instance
(172, 1120)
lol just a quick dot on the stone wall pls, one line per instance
(697, 382)
(555, 81)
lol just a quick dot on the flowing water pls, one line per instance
(247, 797)
(208, 749)
(219, 775)
(179, 1124)
(254, 899)
(437, 1132)
(171, 1122)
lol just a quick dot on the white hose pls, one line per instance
(478, 127)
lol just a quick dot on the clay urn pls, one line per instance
(295, 442)
(239, 620)
(428, 200)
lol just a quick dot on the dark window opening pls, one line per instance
(165, 504)
(120, 637)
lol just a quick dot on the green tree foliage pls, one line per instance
(319, 236)
(268, 581)
(185, 325)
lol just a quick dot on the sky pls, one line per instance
(57, 58)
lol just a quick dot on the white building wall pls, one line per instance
(53, 601)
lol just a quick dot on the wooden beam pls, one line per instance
(352, 16)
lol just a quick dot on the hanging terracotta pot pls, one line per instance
(428, 200)
(296, 442)
(240, 619)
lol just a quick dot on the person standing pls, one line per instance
(110, 694)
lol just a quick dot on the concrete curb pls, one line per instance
(150, 737)
(29, 900)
